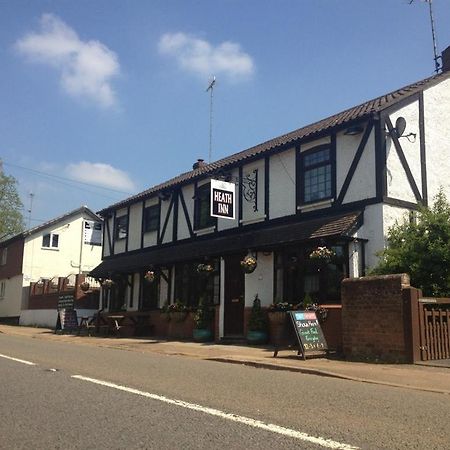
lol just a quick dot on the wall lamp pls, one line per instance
(354, 131)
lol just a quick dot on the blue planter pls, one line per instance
(202, 335)
(257, 337)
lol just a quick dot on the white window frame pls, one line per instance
(2, 289)
(51, 245)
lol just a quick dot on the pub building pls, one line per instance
(310, 208)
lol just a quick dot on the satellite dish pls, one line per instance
(400, 125)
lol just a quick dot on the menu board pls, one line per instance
(65, 302)
(68, 319)
(308, 331)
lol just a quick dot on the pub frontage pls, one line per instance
(283, 222)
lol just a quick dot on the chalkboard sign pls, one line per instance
(67, 320)
(308, 331)
(65, 302)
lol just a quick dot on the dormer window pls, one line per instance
(121, 228)
(50, 240)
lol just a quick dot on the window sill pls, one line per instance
(315, 205)
(203, 231)
(250, 221)
(50, 248)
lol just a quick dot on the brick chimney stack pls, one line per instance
(446, 59)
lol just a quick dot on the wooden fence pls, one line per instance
(434, 319)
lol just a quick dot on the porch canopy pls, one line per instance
(267, 238)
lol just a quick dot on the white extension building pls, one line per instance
(70, 244)
(339, 183)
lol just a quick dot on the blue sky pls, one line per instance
(101, 99)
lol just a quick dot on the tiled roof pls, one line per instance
(359, 112)
(339, 226)
(80, 210)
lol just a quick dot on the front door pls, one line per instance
(234, 297)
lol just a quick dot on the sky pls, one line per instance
(102, 99)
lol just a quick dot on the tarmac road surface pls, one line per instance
(76, 396)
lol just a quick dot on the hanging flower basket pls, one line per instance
(149, 276)
(205, 269)
(322, 254)
(107, 284)
(248, 264)
(84, 286)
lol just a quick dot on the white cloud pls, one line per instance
(202, 58)
(86, 67)
(101, 174)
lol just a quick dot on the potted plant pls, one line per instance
(84, 286)
(322, 254)
(202, 322)
(279, 322)
(257, 324)
(205, 269)
(149, 276)
(178, 311)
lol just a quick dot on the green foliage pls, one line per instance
(11, 220)
(421, 248)
(258, 319)
(203, 315)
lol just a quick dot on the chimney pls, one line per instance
(200, 163)
(446, 59)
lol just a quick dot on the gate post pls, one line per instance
(411, 325)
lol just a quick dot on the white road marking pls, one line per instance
(328, 443)
(29, 363)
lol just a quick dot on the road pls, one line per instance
(78, 396)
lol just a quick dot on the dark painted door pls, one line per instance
(234, 297)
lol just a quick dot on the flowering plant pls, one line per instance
(322, 253)
(248, 264)
(107, 283)
(205, 268)
(321, 313)
(150, 276)
(84, 286)
(283, 306)
(178, 306)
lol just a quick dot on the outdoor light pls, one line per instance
(353, 131)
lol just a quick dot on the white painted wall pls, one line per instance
(188, 195)
(397, 182)
(312, 144)
(437, 137)
(47, 317)
(71, 256)
(106, 239)
(282, 184)
(169, 230)
(10, 304)
(248, 214)
(260, 281)
(363, 183)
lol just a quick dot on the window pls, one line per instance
(317, 175)
(2, 289)
(203, 217)
(3, 256)
(50, 240)
(121, 230)
(151, 218)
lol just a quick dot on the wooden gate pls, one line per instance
(434, 320)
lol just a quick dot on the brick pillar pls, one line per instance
(378, 321)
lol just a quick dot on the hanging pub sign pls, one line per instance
(223, 199)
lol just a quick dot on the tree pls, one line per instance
(421, 248)
(11, 220)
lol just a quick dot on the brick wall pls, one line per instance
(376, 318)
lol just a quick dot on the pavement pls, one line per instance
(429, 377)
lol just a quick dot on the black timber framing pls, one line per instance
(108, 233)
(175, 215)
(240, 194)
(128, 228)
(166, 221)
(132, 291)
(113, 245)
(186, 213)
(423, 153)
(355, 162)
(267, 188)
(380, 159)
(142, 224)
(333, 164)
(403, 160)
(298, 179)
